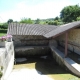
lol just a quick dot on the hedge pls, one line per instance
(3, 30)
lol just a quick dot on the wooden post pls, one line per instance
(66, 44)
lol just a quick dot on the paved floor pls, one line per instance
(27, 74)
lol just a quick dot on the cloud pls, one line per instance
(47, 9)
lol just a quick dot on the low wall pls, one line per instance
(66, 63)
(30, 45)
(73, 40)
(23, 40)
(7, 59)
(32, 51)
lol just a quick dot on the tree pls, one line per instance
(4, 26)
(29, 21)
(25, 20)
(70, 13)
(37, 21)
(9, 21)
(56, 18)
(78, 18)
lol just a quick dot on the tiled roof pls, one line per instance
(37, 29)
(29, 29)
(62, 29)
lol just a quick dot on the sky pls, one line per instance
(42, 9)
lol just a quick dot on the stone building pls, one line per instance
(31, 39)
(41, 35)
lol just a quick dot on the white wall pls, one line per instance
(7, 59)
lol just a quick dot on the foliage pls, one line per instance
(4, 26)
(55, 22)
(67, 14)
(70, 13)
(3, 30)
(1, 68)
(10, 21)
(25, 20)
(56, 18)
(1, 74)
(78, 18)
(37, 21)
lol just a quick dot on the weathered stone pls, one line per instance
(7, 59)
(53, 43)
(33, 50)
(23, 40)
(73, 40)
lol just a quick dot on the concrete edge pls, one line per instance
(69, 63)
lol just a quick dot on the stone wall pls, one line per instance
(66, 63)
(73, 40)
(30, 45)
(32, 51)
(22, 40)
(7, 59)
(53, 43)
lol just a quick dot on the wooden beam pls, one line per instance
(66, 44)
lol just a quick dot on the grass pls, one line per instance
(2, 34)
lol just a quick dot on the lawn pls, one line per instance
(2, 34)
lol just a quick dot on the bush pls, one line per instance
(3, 30)
(4, 26)
(1, 68)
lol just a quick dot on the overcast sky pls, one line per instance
(42, 9)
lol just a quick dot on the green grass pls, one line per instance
(2, 34)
